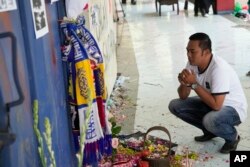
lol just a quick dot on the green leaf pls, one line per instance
(116, 130)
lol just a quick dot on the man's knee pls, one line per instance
(210, 121)
(173, 105)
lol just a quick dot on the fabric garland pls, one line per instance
(86, 91)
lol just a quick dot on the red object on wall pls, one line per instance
(224, 5)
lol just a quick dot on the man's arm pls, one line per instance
(183, 90)
(213, 101)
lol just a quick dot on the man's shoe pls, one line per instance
(196, 14)
(230, 146)
(205, 137)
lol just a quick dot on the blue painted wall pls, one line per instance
(40, 72)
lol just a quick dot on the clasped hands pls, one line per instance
(187, 77)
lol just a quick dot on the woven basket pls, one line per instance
(159, 162)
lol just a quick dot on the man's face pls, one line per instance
(194, 52)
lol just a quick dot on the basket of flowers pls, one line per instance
(157, 154)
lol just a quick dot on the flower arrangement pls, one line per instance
(155, 150)
(121, 154)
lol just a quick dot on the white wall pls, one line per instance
(103, 27)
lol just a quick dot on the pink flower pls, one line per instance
(115, 142)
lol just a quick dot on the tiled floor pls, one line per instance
(156, 47)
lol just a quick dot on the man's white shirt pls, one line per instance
(220, 78)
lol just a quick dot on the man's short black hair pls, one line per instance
(205, 42)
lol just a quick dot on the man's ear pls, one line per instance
(206, 51)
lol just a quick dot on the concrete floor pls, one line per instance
(152, 52)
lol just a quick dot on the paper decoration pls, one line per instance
(7, 5)
(39, 17)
